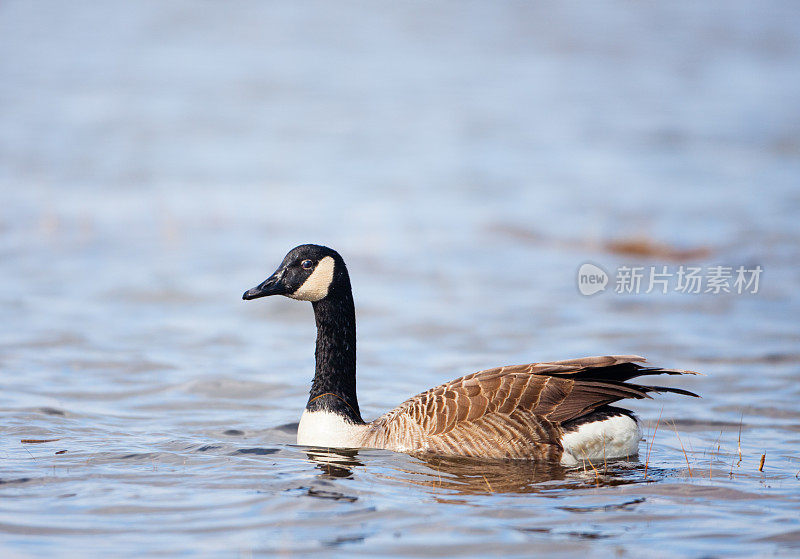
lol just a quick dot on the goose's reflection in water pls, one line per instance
(473, 476)
(338, 463)
(470, 476)
(477, 476)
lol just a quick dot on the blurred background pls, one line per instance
(159, 158)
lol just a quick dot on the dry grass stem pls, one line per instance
(29, 453)
(711, 462)
(683, 449)
(761, 464)
(652, 440)
(739, 442)
(596, 473)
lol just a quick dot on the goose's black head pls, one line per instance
(308, 273)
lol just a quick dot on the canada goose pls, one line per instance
(558, 411)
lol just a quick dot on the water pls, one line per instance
(157, 159)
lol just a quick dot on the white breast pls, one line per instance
(615, 437)
(323, 428)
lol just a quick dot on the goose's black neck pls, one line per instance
(334, 385)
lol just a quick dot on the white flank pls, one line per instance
(324, 428)
(615, 437)
(317, 285)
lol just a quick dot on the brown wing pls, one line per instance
(512, 406)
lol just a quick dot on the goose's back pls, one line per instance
(509, 412)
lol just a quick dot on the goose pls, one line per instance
(557, 411)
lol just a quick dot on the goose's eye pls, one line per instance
(306, 264)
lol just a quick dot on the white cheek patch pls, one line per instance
(317, 285)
